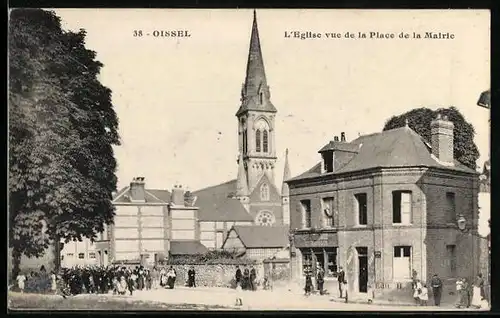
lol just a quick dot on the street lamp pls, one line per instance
(462, 223)
(485, 99)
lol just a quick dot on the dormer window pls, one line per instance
(327, 161)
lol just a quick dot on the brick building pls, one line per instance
(385, 205)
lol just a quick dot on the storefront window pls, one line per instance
(325, 258)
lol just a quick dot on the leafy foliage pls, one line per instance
(419, 119)
(210, 257)
(61, 130)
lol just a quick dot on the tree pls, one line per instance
(419, 119)
(61, 130)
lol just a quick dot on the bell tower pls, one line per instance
(256, 115)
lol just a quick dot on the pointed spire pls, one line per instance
(256, 75)
(241, 181)
(255, 80)
(286, 176)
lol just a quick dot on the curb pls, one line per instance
(378, 303)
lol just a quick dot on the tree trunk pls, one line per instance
(57, 254)
(16, 263)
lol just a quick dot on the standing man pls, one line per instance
(341, 280)
(253, 278)
(238, 275)
(320, 279)
(246, 279)
(437, 286)
(191, 277)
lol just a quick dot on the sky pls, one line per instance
(176, 98)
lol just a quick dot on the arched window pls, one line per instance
(265, 218)
(261, 98)
(264, 192)
(257, 140)
(265, 147)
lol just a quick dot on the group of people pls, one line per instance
(320, 281)
(246, 280)
(470, 295)
(467, 295)
(100, 279)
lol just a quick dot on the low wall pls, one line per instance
(212, 275)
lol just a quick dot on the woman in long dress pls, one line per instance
(476, 291)
(417, 289)
(20, 281)
(171, 278)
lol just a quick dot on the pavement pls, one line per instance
(277, 299)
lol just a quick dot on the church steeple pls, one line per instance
(241, 181)
(286, 176)
(255, 93)
(256, 117)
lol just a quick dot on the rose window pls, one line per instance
(265, 218)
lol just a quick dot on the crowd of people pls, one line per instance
(100, 279)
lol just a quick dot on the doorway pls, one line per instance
(362, 269)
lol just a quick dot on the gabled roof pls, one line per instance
(400, 147)
(151, 196)
(217, 203)
(187, 248)
(257, 236)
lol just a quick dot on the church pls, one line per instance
(151, 224)
(253, 196)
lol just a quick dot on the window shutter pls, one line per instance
(406, 208)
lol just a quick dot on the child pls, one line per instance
(424, 295)
(239, 302)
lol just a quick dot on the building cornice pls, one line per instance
(330, 178)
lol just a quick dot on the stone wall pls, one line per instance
(212, 275)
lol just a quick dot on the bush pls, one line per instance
(38, 284)
(210, 258)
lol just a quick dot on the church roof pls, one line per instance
(255, 80)
(257, 236)
(217, 203)
(400, 147)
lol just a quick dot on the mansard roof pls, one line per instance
(396, 148)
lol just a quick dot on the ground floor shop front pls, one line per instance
(372, 259)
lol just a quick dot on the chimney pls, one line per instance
(177, 197)
(442, 139)
(342, 136)
(137, 191)
(336, 138)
